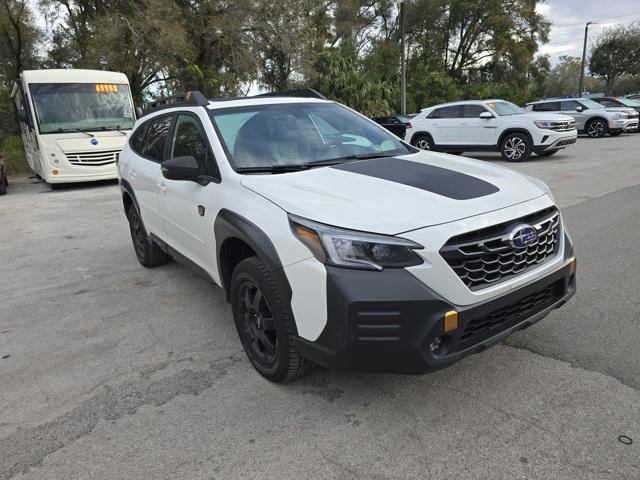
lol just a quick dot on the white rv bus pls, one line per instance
(74, 122)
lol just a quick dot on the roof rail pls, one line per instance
(192, 99)
(300, 92)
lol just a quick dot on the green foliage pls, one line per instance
(338, 78)
(14, 157)
(616, 53)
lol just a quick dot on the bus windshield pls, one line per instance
(62, 107)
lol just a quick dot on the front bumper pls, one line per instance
(385, 321)
(549, 143)
(624, 125)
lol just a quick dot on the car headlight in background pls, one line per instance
(353, 249)
(620, 116)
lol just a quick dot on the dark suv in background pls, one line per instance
(396, 124)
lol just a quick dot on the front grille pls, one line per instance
(104, 157)
(478, 329)
(563, 126)
(485, 257)
(567, 141)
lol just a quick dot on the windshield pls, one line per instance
(505, 109)
(629, 103)
(587, 102)
(299, 134)
(82, 106)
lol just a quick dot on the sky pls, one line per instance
(568, 19)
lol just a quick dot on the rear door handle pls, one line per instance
(162, 187)
(133, 172)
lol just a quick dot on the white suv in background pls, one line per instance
(592, 118)
(490, 125)
(335, 242)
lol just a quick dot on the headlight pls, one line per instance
(352, 249)
(620, 116)
(545, 124)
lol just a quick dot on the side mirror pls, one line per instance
(486, 115)
(139, 112)
(22, 115)
(181, 168)
(579, 108)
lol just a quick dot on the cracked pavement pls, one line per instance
(111, 371)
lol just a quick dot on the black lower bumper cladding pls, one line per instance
(385, 321)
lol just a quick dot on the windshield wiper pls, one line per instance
(357, 156)
(74, 130)
(110, 129)
(295, 167)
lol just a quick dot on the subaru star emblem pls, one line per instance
(94, 141)
(522, 236)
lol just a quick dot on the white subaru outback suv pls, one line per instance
(335, 242)
(491, 125)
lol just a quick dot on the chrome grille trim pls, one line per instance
(485, 257)
(104, 157)
(563, 126)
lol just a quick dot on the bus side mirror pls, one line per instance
(139, 112)
(21, 113)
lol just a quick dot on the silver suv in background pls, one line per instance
(591, 118)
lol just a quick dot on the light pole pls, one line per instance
(403, 75)
(584, 55)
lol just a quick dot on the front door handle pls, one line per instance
(133, 172)
(162, 187)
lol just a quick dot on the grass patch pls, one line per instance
(15, 160)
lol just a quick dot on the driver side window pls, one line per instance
(189, 139)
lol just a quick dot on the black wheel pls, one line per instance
(148, 253)
(596, 128)
(548, 153)
(615, 133)
(516, 147)
(3, 185)
(423, 142)
(264, 323)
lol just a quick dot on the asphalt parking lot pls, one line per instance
(110, 370)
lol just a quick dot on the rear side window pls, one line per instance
(156, 138)
(473, 111)
(546, 107)
(189, 139)
(447, 112)
(137, 138)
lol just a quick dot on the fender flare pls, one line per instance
(228, 225)
(127, 189)
(509, 131)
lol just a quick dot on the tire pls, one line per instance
(615, 133)
(548, 153)
(3, 186)
(516, 147)
(423, 142)
(264, 323)
(148, 253)
(596, 128)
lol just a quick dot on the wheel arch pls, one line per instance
(421, 133)
(128, 196)
(509, 131)
(238, 238)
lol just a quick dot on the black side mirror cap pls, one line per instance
(181, 168)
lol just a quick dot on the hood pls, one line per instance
(546, 116)
(628, 110)
(396, 194)
(77, 142)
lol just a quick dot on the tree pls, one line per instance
(616, 53)
(18, 38)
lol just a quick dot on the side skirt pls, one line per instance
(178, 257)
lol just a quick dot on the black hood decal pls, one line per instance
(440, 181)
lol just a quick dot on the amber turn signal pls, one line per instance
(450, 321)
